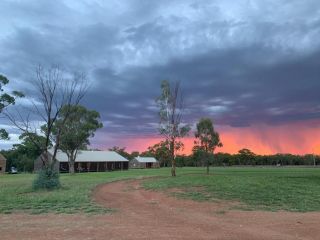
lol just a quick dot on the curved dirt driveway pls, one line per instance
(153, 215)
(150, 215)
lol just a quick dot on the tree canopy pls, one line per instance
(208, 138)
(22, 155)
(77, 125)
(161, 151)
(6, 99)
(246, 156)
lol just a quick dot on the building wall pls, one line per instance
(94, 166)
(3, 165)
(156, 165)
(83, 166)
(136, 164)
(111, 166)
(152, 165)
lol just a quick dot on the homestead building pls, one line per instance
(3, 162)
(87, 161)
(144, 162)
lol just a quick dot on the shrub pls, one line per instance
(47, 179)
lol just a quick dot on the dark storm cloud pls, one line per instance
(228, 86)
(241, 64)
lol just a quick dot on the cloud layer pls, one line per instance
(243, 64)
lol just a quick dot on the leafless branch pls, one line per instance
(55, 90)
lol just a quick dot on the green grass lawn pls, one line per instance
(16, 193)
(292, 189)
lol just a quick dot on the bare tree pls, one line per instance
(171, 107)
(56, 89)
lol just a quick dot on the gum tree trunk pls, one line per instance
(173, 161)
(71, 163)
(71, 167)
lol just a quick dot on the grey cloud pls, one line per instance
(242, 64)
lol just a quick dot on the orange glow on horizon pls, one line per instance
(295, 138)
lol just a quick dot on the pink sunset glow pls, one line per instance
(296, 138)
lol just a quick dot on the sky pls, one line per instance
(253, 66)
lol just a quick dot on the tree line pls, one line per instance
(68, 126)
(22, 157)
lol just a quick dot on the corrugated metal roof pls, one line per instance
(92, 156)
(146, 159)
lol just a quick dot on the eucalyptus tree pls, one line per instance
(161, 151)
(171, 107)
(246, 157)
(207, 139)
(6, 99)
(79, 126)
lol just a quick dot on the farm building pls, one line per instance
(144, 162)
(88, 161)
(3, 162)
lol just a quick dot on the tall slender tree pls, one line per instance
(207, 139)
(171, 107)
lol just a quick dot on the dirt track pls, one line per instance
(152, 215)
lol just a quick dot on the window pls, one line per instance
(0, 169)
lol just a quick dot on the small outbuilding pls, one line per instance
(144, 162)
(3, 162)
(88, 161)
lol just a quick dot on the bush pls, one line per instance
(47, 179)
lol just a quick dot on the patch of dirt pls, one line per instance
(143, 214)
